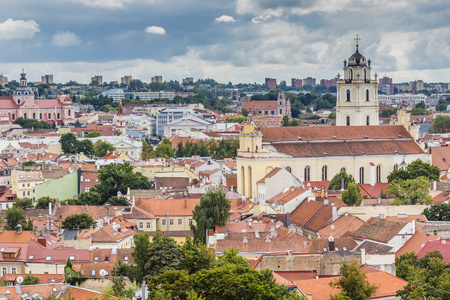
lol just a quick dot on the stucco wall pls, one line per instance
(63, 188)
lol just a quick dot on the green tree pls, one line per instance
(28, 163)
(244, 112)
(436, 212)
(213, 210)
(147, 151)
(196, 256)
(353, 282)
(336, 181)
(441, 124)
(42, 203)
(69, 143)
(352, 196)
(92, 134)
(118, 201)
(86, 147)
(416, 169)
(14, 217)
(91, 198)
(140, 253)
(163, 254)
(410, 191)
(285, 121)
(23, 203)
(102, 148)
(30, 279)
(164, 150)
(332, 115)
(81, 221)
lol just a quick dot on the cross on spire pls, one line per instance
(357, 39)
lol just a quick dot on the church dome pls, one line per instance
(357, 59)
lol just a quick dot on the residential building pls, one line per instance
(280, 107)
(126, 79)
(113, 236)
(415, 86)
(14, 254)
(385, 85)
(3, 80)
(309, 81)
(97, 79)
(357, 94)
(47, 79)
(188, 80)
(277, 181)
(271, 83)
(297, 83)
(169, 115)
(190, 122)
(157, 79)
(328, 82)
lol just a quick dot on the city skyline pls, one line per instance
(239, 41)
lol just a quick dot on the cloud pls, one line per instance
(18, 29)
(155, 30)
(105, 3)
(66, 39)
(261, 19)
(225, 18)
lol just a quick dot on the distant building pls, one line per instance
(126, 79)
(98, 79)
(188, 80)
(170, 115)
(271, 83)
(296, 83)
(3, 80)
(415, 86)
(157, 79)
(328, 82)
(47, 79)
(309, 81)
(385, 85)
(279, 107)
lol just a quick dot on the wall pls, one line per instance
(63, 188)
(366, 212)
(441, 229)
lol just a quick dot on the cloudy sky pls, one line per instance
(227, 40)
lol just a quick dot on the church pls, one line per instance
(23, 104)
(270, 108)
(357, 144)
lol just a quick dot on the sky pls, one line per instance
(242, 41)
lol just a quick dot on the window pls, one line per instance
(106, 273)
(367, 95)
(72, 257)
(350, 73)
(307, 173)
(324, 173)
(180, 222)
(396, 167)
(49, 116)
(171, 222)
(163, 222)
(25, 115)
(361, 175)
(190, 221)
(69, 112)
(289, 169)
(34, 115)
(365, 76)
(148, 225)
(106, 258)
(93, 273)
(58, 115)
(48, 258)
(28, 185)
(347, 120)
(14, 115)
(3, 271)
(13, 270)
(86, 190)
(367, 120)
(348, 95)
(343, 169)
(125, 258)
(96, 258)
(141, 225)
(378, 174)
(87, 180)
(40, 116)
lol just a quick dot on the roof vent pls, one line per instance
(325, 154)
(365, 136)
(299, 138)
(362, 152)
(400, 136)
(334, 137)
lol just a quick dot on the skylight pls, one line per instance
(72, 257)
(31, 257)
(48, 258)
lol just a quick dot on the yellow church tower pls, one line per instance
(357, 93)
(121, 119)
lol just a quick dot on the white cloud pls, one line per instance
(105, 3)
(18, 29)
(155, 30)
(261, 19)
(66, 39)
(225, 18)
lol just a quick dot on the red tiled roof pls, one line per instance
(342, 225)
(416, 242)
(252, 105)
(381, 230)
(173, 207)
(442, 245)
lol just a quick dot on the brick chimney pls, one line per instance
(18, 229)
(42, 240)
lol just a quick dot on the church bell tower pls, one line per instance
(357, 93)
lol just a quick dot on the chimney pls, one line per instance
(444, 242)
(18, 289)
(18, 229)
(273, 232)
(331, 244)
(434, 185)
(42, 240)
(256, 233)
(381, 216)
(325, 201)
(87, 208)
(267, 238)
(334, 212)
(363, 256)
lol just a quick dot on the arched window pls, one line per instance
(348, 95)
(361, 175)
(289, 169)
(324, 173)
(307, 173)
(343, 169)
(367, 95)
(378, 173)
(347, 119)
(18, 101)
(395, 167)
(365, 74)
(350, 74)
(367, 120)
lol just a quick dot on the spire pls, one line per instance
(120, 110)
(357, 39)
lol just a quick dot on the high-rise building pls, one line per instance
(188, 80)
(357, 93)
(98, 79)
(309, 81)
(415, 86)
(385, 85)
(328, 82)
(3, 80)
(126, 79)
(47, 79)
(296, 83)
(157, 79)
(271, 83)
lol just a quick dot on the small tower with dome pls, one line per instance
(23, 92)
(357, 92)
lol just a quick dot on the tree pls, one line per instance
(28, 163)
(42, 203)
(164, 149)
(140, 253)
(118, 201)
(14, 217)
(213, 210)
(416, 169)
(244, 112)
(410, 191)
(436, 212)
(163, 254)
(102, 148)
(285, 121)
(81, 221)
(196, 256)
(86, 147)
(441, 124)
(353, 282)
(332, 115)
(92, 134)
(30, 279)
(147, 151)
(69, 143)
(336, 181)
(23, 203)
(352, 196)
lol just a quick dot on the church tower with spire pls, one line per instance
(121, 119)
(357, 93)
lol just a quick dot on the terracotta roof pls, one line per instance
(318, 245)
(442, 245)
(173, 207)
(407, 218)
(374, 248)
(10, 236)
(54, 252)
(252, 105)
(287, 278)
(416, 242)
(380, 230)
(270, 174)
(372, 191)
(320, 289)
(43, 278)
(441, 157)
(108, 235)
(342, 225)
(312, 215)
(240, 227)
(285, 197)
(95, 211)
(44, 290)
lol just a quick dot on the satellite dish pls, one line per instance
(19, 279)
(102, 272)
